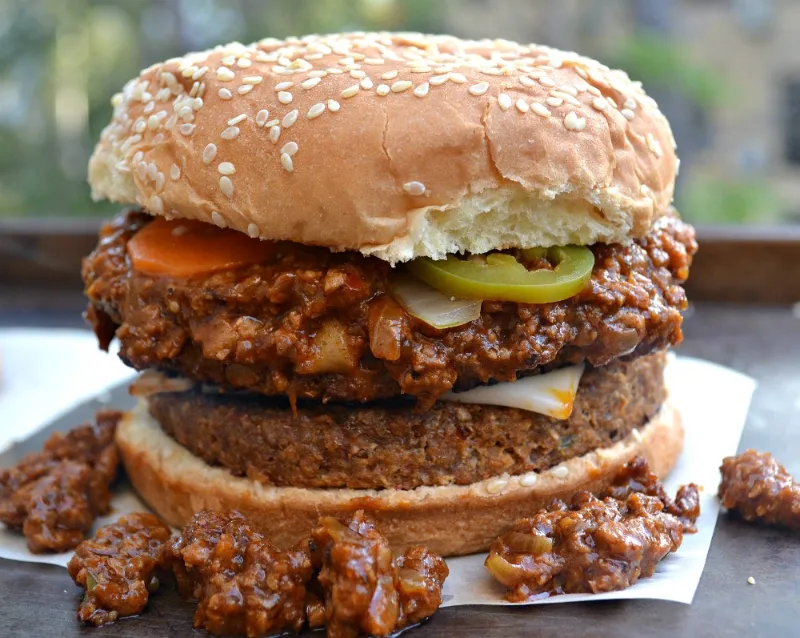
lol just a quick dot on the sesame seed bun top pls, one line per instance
(398, 145)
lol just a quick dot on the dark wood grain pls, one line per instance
(736, 264)
(764, 342)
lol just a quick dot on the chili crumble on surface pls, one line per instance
(119, 567)
(54, 496)
(343, 577)
(314, 324)
(594, 544)
(759, 489)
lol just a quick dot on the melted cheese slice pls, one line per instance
(551, 394)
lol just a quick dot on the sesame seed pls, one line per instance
(522, 105)
(137, 157)
(235, 120)
(224, 74)
(581, 72)
(422, 90)
(261, 117)
(156, 205)
(244, 89)
(526, 480)
(495, 486)
(290, 118)
(458, 78)
(636, 435)
(230, 133)
(357, 75)
(383, 89)
(152, 170)
(479, 89)
(184, 112)
(272, 123)
(627, 114)
(366, 84)
(317, 74)
(199, 73)
(315, 111)
(654, 145)
(491, 71)
(274, 134)
(414, 188)
(540, 109)
(117, 99)
(252, 79)
(140, 126)
(175, 172)
(594, 91)
(401, 85)
(253, 230)
(141, 171)
(333, 106)
(524, 80)
(350, 91)
(197, 103)
(225, 94)
(546, 81)
(218, 219)
(555, 101)
(229, 60)
(149, 108)
(751, 580)
(574, 123)
(243, 63)
(152, 122)
(612, 102)
(570, 90)
(566, 97)
(310, 83)
(209, 153)
(226, 186)
(504, 101)
(390, 75)
(333, 70)
(284, 97)
(560, 471)
(373, 61)
(160, 179)
(630, 103)
(282, 86)
(286, 162)
(580, 85)
(226, 168)
(599, 103)
(421, 69)
(290, 148)
(438, 80)
(186, 129)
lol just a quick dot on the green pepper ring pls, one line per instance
(503, 278)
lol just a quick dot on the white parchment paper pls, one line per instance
(713, 401)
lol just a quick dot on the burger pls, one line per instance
(429, 278)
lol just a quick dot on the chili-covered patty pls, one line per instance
(309, 323)
(388, 445)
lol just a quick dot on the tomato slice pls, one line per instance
(183, 248)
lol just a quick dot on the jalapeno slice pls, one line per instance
(501, 277)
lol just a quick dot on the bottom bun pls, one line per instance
(449, 520)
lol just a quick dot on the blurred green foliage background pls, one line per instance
(61, 60)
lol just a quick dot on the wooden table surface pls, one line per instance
(764, 342)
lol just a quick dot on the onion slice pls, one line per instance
(431, 306)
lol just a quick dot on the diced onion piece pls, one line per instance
(431, 306)
(552, 393)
